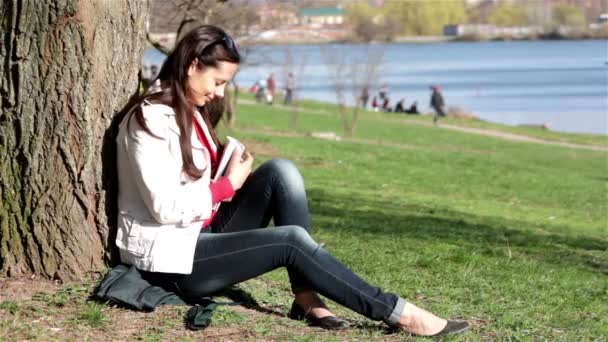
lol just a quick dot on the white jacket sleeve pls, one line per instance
(170, 195)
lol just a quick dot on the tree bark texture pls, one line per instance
(67, 68)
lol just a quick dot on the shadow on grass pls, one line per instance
(448, 226)
(244, 298)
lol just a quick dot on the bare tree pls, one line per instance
(351, 74)
(67, 67)
(296, 68)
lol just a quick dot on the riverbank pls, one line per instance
(348, 38)
(473, 125)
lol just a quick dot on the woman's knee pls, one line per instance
(298, 236)
(287, 172)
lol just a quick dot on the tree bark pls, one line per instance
(67, 67)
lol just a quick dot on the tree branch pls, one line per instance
(157, 45)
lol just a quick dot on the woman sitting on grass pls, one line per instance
(195, 236)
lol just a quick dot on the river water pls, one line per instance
(563, 84)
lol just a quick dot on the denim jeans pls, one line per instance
(235, 248)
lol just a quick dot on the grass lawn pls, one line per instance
(512, 236)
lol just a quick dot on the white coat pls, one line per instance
(161, 209)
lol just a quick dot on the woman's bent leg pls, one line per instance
(274, 190)
(224, 259)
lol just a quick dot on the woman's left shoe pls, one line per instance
(327, 322)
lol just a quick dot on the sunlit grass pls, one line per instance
(512, 236)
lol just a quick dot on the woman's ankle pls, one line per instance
(419, 321)
(312, 304)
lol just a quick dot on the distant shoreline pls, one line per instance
(414, 40)
(422, 39)
(244, 41)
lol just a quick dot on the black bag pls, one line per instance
(124, 286)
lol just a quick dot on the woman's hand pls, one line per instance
(239, 169)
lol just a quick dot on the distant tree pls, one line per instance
(539, 14)
(569, 15)
(509, 14)
(296, 68)
(409, 17)
(425, 17)
(67, 68)
(364, 20)
(480, 12)
(390, 28)
(349, 75)
(366, 30)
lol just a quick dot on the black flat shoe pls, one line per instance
(327, 322)
(453, 328)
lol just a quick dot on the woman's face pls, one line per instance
(204, 84)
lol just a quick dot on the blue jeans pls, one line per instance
(234, 248)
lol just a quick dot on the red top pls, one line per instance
(222, 189)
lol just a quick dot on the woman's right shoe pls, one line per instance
(453, 328)
(327, 322)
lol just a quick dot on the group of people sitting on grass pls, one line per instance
(383, 102)
(399, 107)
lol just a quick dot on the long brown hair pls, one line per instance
(208, 45)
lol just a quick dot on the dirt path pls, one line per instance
(479, 131)
(519, 137)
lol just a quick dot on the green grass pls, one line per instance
(92, 314)
(512, 236)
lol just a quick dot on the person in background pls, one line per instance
(290, 86)
(437, 103)
(272, 87)
(400, 106)
(383, 92)
(145, 76)
(364, 97)
(195, 237)
(254, 88)
(386, 104)
(261, 92)
(375, 104)
(413, 108)
(153, 72)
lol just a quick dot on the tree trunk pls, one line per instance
(355, 121)
(67, 67)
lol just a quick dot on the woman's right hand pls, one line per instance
(239, 169)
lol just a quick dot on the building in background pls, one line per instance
(319, 17)
(276, 16)
(487, 31)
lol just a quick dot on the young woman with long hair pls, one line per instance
(196, 236)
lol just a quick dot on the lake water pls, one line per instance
(561, 83)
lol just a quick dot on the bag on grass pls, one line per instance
(124, 286)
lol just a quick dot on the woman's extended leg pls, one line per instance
(224, 259)
(275, 190)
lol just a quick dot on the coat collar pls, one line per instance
(196, 143)
(199, 118)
